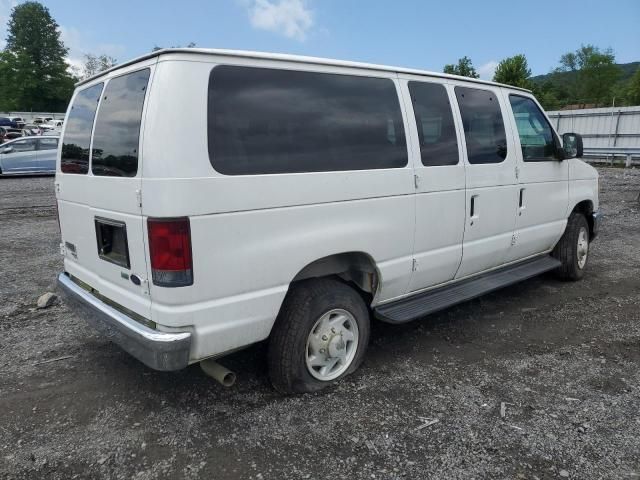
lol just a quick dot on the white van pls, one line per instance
(306, 197)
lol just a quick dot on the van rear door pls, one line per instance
(98, 187)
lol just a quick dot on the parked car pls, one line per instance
(7, 122)
(13, 133)
(19, 121)
(54, 124)
(3, 134)
(29, 155)
(32, 130)
(308, 197)
(39, 120)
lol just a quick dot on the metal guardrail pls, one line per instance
(611, 152)
(627, 152)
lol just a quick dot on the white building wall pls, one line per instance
(601, 127)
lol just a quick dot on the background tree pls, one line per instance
(463, 68)
(6, 98)
(547, 94)
(189, 45)
(94, 64)
(513, 71)
(633, 89)
(594, 74)
(34, 69)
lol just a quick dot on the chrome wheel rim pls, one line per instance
(331, 345)
(583, 247)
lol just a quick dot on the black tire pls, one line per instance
(567, 249)
(305, 304)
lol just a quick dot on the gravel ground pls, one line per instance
(560, 360)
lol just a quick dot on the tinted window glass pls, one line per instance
(436, 130)
(117, 133)
(23, 145)
(536, 136)
(77, 134)
(48, 143)
(483, 126)
(281, 121)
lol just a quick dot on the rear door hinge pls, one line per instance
(57, 187)
(514, 239)
(414, 266)
(517, 172)
(139, 197)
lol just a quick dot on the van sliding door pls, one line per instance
(439, 178)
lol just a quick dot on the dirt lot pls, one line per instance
(563, 358)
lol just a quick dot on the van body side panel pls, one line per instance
(583, 183)
(252, 234)
(236, 297)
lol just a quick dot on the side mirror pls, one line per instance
(572, 145)
(7, 150)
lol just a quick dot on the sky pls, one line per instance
(409, 33)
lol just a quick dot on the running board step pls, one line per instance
(431, 301)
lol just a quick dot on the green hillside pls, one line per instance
(559, 90)
(627, 71)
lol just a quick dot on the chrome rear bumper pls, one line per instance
(158, 350)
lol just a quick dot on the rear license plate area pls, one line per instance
(111, 236)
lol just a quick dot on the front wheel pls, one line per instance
(573, 248)
(320, 336)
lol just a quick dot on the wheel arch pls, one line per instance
(585, 207)
(357, 268)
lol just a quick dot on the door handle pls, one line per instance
(473, 209)
(521, 206)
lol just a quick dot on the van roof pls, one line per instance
(298, 59)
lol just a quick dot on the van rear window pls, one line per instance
(117, 132)
(77, 133)
(263, 121)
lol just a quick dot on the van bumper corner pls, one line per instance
(158, 350)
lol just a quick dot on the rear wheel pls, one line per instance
(573, 248)
(320, 336)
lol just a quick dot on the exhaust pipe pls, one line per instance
(216, 371)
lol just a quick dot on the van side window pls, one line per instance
(436, 130)
(483, 125)
(77, 133)
(536, 136)
(263, 121)
(117, 134)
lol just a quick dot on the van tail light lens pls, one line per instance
(170, 251)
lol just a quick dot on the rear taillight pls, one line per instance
(170, 251)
